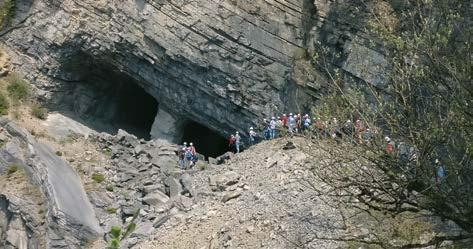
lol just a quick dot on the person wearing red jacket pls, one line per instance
(284, 120)
(231, 143)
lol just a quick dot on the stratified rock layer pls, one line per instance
(214, 62)
(223, 64)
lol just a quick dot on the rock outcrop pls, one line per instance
(223, 64)
(70, 219)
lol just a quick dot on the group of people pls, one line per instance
(234, 142)
(293, 123)
(187, 155)
(355, 131)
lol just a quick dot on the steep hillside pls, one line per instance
(257, 199)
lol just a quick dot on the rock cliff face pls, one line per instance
(223, 64)
(69, 219)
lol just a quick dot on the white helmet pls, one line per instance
(251, 128)
(387, 139)
(185, 143)
(191, 144)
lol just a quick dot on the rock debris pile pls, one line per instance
(143, 177)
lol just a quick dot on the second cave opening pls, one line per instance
(206, 141)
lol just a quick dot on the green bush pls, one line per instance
(117, 235)
(109, 188)
(111, 210)
(18, 89)
(98, 178)
(7, 8)
(58, 153)
(12, 169)
(3, 104)
(39, 112)
(107, 152)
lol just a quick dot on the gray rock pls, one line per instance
(213, 161)
(155, 198)
(130, 242)
(139, 149)
(173, 187)
(99, 199)
(153, 188)
(221, 182)
(167, 164)
(16, 234)
(143, 230)
(161, 220)
(289, 146)
(126, 177)
(230, 195)
(183, 203)
(70, 217)
(223, 158)
(187, 185)
(131, 209)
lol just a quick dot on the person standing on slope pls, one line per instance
(237, 142)
(189, 157)
(272, 128)
(231, 143)
(266, 132)
(390, 147)
(181, 153)
(284, 120)
(291, 123)
(306, 123)
(194, 154)
(298, 123)
(252, 134)
(440, 174)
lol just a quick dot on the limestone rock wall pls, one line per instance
(221, 63)
(69, 219)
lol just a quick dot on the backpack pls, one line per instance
(181, 153)
(189, 154)
(307, 122)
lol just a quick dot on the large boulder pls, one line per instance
(70, 219)
(155, 198)
(173, 187)
(222, 181)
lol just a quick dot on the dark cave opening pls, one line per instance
(206, 141)
(135, 111)
(105, 99)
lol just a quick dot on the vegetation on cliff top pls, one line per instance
(15, 95)
(425, 105)
(7, 8)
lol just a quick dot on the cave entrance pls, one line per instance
(105, 99)
(135, 109)
(206, 141)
